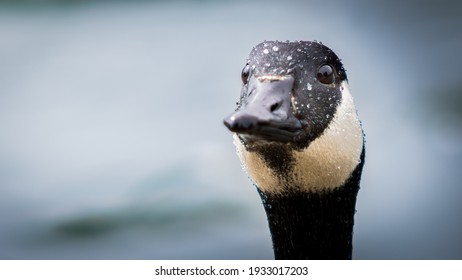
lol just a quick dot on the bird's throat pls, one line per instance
(313, 225)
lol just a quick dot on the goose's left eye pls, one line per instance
(326, 74)
(245, 74)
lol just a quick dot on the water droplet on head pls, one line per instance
(275, 48)
(265, 51)
(309, 86)
(289, 57)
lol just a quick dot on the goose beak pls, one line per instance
(266, 111)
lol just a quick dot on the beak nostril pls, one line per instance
(274, 107)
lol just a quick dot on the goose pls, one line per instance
(299, 139)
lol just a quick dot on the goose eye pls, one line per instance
(326, 74)
(245, 74)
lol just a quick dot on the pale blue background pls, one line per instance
(111, 137)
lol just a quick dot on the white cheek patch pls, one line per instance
(263, 176)
(332, 157)
(324, 165)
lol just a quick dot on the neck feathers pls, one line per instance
(313, 225)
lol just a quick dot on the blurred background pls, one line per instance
(111, 137)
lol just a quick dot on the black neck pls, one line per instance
(308, 225)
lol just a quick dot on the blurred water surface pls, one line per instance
(111, 137)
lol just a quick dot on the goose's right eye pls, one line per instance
(245, 74)
(326, 74)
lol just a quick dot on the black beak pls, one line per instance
(266, 111)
